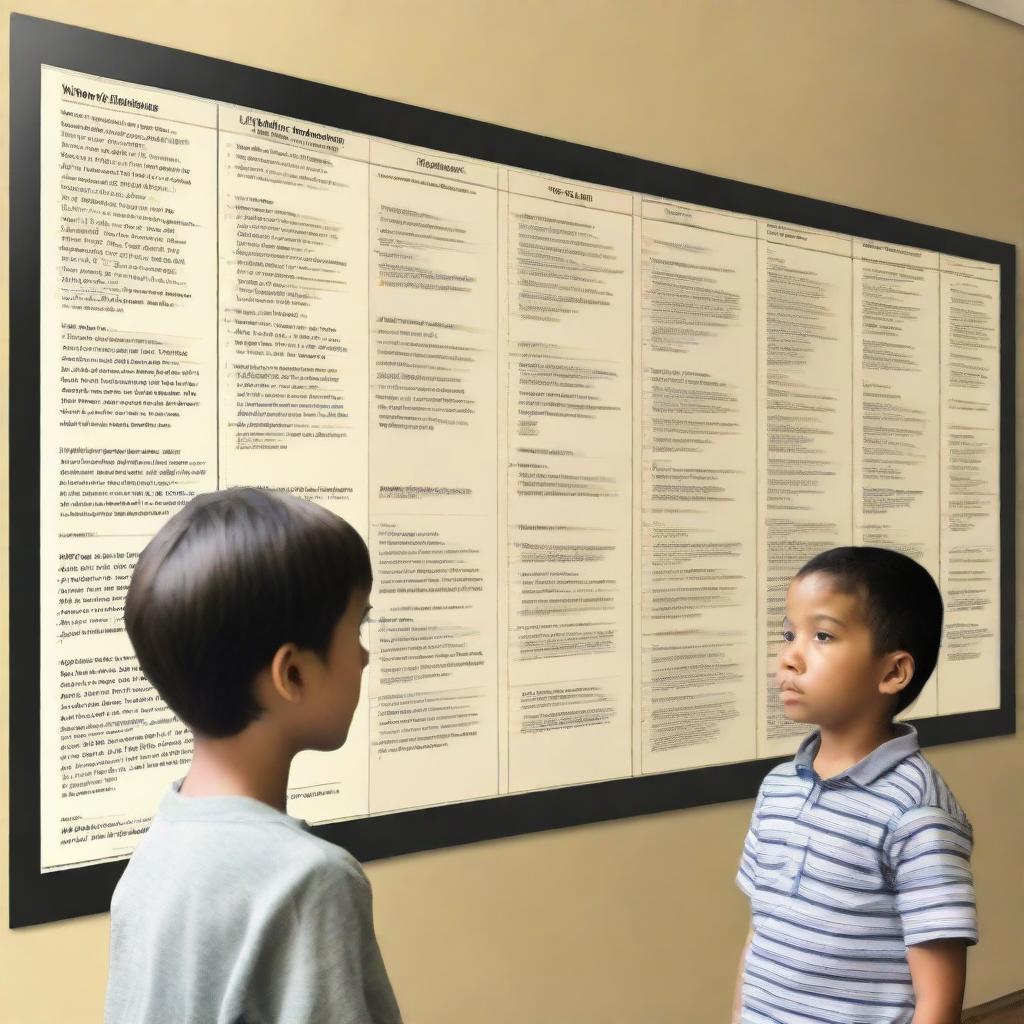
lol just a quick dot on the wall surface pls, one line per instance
(911, 108)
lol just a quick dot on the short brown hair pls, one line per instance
(224, 583)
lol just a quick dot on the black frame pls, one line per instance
(36, 897)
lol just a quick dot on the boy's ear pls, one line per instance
(899, 670)
(286, 673)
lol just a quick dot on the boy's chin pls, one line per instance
(799, 713)
(326, 744)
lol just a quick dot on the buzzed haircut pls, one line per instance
(224, 583)
(902, 605)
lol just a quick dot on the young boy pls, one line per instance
(857, 862)
(245, 613)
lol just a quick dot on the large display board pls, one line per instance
(591, 413)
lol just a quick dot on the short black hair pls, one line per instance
(902, 605)
(224, 583)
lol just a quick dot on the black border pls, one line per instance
(37, 897)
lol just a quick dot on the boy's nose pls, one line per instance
(790, 659)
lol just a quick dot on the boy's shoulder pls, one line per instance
(237, 843)
(304, 855)
(780, 782)
(911, 785)
(254, 910)
(918, 787)
(781, 773)
(786, 770)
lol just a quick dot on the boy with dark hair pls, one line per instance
(245, 612)
(857, 861)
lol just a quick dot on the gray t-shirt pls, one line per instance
(230, 911)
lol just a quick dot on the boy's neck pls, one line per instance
(842, 746)
(247, 764)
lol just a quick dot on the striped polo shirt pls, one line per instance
(843, 874)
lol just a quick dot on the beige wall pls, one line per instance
(907, 107)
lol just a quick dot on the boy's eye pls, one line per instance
(788, 636)
(822, 636)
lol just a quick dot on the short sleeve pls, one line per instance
(746, 877)
(929, 860)
(324, 966)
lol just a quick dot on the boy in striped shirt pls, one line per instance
(857, 861)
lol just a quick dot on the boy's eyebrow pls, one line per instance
(831, 618)
(817, 618)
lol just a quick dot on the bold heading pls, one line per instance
(893, 248)
(439, 165)
(252, 121)
(569, 193)
(110, 98)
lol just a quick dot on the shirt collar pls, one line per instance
(221, 808)
(869, 769)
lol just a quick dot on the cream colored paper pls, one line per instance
(293, 346)
(698, 491)
(128, 329)
(569, 293)
(804, 414)
(896, 409)
(589, 435)
(969, 664)
(433, 678)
